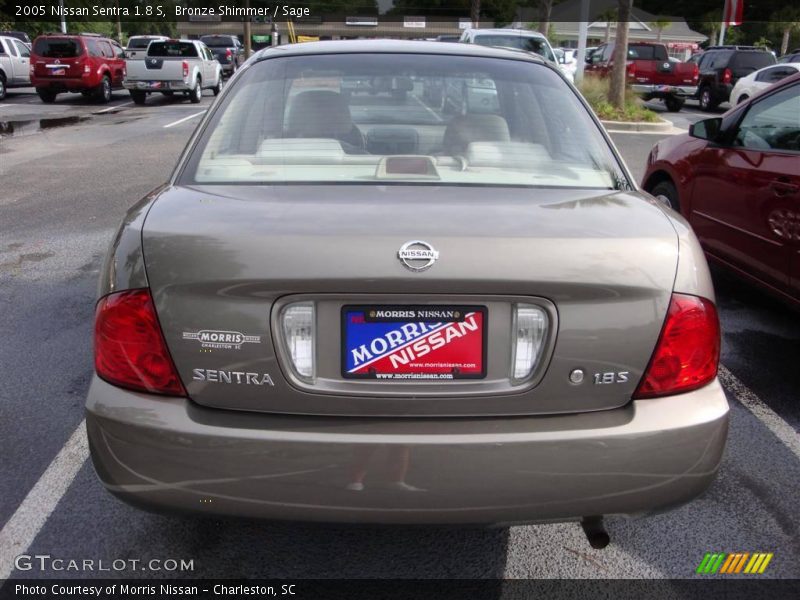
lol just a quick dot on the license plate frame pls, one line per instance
(462, 328)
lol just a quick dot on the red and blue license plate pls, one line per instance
(413, 343)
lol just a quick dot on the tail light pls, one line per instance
(129, 349)
(30, 69)
(695, 73)
(297, 324)
(631, 69)
(228, 53)
(87, 68)
(185, 68)
(726, 76)
(687, 354)
(530, 329)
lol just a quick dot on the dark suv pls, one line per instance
(722, 66)
(227, 49)
(89, 64)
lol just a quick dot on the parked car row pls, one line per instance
(95, 66)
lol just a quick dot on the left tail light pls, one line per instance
(631, 69)
(687, 353)
(696, 73)
(129, 348)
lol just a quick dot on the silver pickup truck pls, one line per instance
(14, 64)
(184, 66)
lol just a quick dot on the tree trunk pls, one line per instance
(785, 41)
(545, 7)
(616, 94)
(608, 31)
(658, 37)
(475, 12)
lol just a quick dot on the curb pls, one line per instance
(662, 126)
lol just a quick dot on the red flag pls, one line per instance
(732, 14)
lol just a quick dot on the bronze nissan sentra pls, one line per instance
(353, 302)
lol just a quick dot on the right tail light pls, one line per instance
(687, 353)
(727, 75)
(185, 68)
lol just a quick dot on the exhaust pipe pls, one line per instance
(595, 532)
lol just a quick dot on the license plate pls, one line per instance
(413, 343)
(155, 84)
(59, 71)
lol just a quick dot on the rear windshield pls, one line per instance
(217, 40)
(752, 60)
(646, 52)
(138, 43)
(57, 48)
(521, 42)
(179, 49)
(399, 118)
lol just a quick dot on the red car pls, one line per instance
(89, 64)
(736, 178)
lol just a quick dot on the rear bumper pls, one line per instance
(62, 84)
(168, 454)
(660, 91)
(156, 86)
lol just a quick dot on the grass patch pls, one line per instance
(595, 90)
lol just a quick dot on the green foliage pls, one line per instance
(595, 90)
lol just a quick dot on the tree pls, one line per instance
(660, 24)
(545, 8)
(475, 12)
(608, 16)
(616, 94)
(787, 21)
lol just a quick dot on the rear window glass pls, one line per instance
(399, 118)
(646, 52)
(217, 40)
(752, 60)
(521, 42)
(166, 49)
(57, 48)
(139, 43)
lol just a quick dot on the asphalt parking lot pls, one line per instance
(70, 170)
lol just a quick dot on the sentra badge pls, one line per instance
(221, 340)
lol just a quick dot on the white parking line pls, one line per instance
(179, 121)
(771, 420)
(29, 518)
(428, 108)
(116, 106)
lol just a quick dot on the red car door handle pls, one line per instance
(784, 187)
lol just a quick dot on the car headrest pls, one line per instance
(319, 114)
(465, 129)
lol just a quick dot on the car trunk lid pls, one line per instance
(225, 259)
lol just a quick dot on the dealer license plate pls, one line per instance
(413, 343)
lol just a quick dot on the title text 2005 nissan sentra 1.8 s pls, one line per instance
(404, 282)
